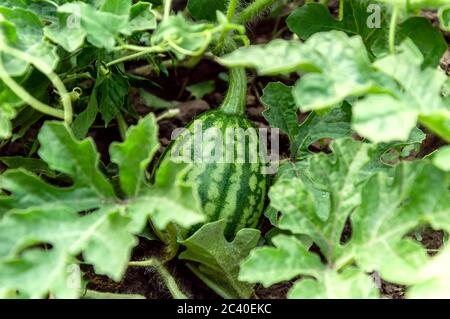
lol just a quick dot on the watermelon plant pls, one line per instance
(140, 155)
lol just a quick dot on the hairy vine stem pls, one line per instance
(122, 124)
(166, 276)
(392, 28)
(141, 52)
(26, 97)
(232, 5)
(253, 10)
(167, 8)
(92, 294)
(66, 114)
(168, 115)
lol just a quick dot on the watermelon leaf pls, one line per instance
(38, 215)
(216, 261)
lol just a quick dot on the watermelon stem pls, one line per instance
(236, 97)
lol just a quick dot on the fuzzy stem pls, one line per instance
(91, 294)
(392, 29)
(167, 8)
(341, 10)
(232, 5)
(26, 97)
(167, 277)
(168, 115)
(344, 261)
(123, 127)
(52, 76)
(253, 10)
(235, 100)
(144, 51)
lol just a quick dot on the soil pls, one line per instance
(146, 281)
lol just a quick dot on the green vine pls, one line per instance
(66, 114)
(253, 10)
(166, 276)
(393, 28)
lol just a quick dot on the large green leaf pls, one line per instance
(441, 158)
(428, 39)
(281, 111)
(391, 207)
(384, 118)
(370, 21)
(396, 90)
(44, 227)
(77, 21)
(22, 30)
(103, 237)
(339, 179)
(216, 261)
(36, 274)
(314, 17)
(206, 9)
(141, 17)
(112, 90)
(319, 196)
(334, 124)
(349, 284)
(339, 66)
(170, 200)
(277, 57)
(77, 159)
(100, 27)
(343, 70)
(288, 259)
(433, 279)
(134, 154)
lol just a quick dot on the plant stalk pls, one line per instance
(52, 76)
(91, 294)
(142, 52)
(123, 127)
(253, 10)
(166, 276)
(392, 28)
(236, 98)
(167, 8)
(232, 5)
(26, 97)
(341, 10)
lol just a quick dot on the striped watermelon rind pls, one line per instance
(234, 191)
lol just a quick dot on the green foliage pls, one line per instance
(111, 89)
(365, 91)
(64, 40)
(22, 30)
(281, 113)
(216, 261)
(371, 25)
(397, 92)
(206, 9)
(314, 17)
(442, 158)
(383, 208)
(37, 213)
(201, 89)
